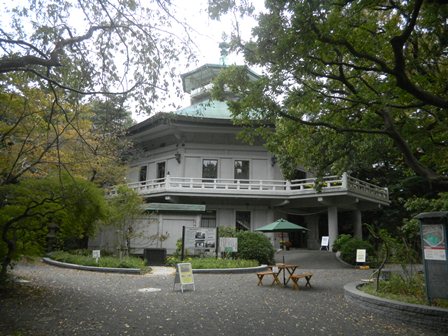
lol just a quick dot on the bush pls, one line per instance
(254, 245)
(206, 263)
(348, 249)
(340, 241)
(80, 259)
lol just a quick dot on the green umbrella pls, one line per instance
(281, 225)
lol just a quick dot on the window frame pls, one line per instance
(207, 178)
(250, 220)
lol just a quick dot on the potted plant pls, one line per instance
(285, 244)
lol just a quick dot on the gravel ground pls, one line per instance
(60, 301)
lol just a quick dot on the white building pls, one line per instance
(194, 171)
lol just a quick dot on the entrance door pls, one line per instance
(298, 238)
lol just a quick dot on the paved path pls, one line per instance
(69, 302)
(311, 259)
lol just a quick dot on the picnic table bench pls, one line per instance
(261, 275)
(295, 279)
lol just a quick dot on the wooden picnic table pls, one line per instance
(283, 268)
(286, 269)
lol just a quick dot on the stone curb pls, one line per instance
(231, 270)
(137, 271)
(92, 268)
(423, 316)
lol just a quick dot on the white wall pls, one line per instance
(193, 154)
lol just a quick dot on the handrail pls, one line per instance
(248, 186)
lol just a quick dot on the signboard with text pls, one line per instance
(200, 238)
(184, 276)
(433, 233)
(228, 245)
(361, 256)
(433, 238)
(325, 242)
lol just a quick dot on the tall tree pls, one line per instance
(349, 83)
(94, 46)
(32, 208)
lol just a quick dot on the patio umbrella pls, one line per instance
(281, 225)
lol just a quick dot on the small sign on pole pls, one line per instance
(227, 245)
(96, 254)
(184, 276)
(324, 245)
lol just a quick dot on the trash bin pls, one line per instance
(154, 256)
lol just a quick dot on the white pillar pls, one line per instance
(357, 222)
(332, 225)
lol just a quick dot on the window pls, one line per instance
(241, 170)
(142, 175)
(242, 220)
(299, 175)
(208, 219)
(160, 170)
(209, 169)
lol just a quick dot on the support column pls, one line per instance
(357, 222)
(313, 233)
(332, 225)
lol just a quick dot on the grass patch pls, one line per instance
(207, 263)
(411, 290)
(108, 261)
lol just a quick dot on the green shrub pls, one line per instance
(79, 259)
(211, 262)
(227, 231)
(411, 290)
(348, 249)
(340, 241)
(254, 245)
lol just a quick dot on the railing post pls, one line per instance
(288, 185)
(344, 180)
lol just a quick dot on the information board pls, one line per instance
(324, 243)
(361, 256)
(434, 233)
(200, 238)
(184, 276)
(433, 238)
(96, 254)
(228, 245)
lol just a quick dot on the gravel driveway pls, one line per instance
(60, 301)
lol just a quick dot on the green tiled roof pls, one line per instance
(207, 109)
(174, 207)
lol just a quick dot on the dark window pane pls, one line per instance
(161, 170)
(299, 175)
(143, 173)
(241, 170)
(209, 169)
(242, 220)
(208, 219)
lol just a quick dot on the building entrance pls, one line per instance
(298, 238)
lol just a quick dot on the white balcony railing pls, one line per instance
(282, 188)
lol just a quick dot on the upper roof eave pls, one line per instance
(215, 68)
(163, 117)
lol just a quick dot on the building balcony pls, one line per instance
(271, 189)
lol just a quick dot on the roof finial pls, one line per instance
(224, 46)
